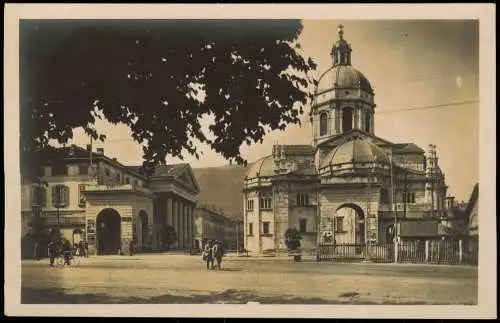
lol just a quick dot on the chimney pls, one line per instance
(114, 158)
(100, 151)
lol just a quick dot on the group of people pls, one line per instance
(62, 247)
(213, 252)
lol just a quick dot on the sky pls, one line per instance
(410, 64)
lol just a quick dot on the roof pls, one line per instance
(75, 152)
(264, 167)
(344, 77)
(298, 149)
(355, 150)
(163, 170)
(407, 148)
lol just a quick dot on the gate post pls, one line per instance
(396, 250)
(460, 251)
(426, 250)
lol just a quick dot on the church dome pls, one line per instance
(264, 167)
(356, 150)
(344, 77)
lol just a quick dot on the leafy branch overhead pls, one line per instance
(160, 78)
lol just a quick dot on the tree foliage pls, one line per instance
(160, 78)
(292, 239)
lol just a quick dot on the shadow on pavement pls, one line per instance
(230, 296)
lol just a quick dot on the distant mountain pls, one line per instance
(221, 187)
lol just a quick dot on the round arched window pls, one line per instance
(323, 124)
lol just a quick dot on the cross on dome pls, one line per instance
(340, 29)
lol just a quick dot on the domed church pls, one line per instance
(349, 186)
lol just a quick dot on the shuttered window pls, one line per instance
(60, 196)
(38, 196)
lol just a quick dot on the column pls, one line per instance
(169, 211)
(372, 123)
(179, 224)
(340, 120)
(360, 118)
(174, 219)
(185, 222)
(189, 228)
(333, 123)
(193, 224)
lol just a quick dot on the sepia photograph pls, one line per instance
(251, 161)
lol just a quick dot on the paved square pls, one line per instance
(171, 278)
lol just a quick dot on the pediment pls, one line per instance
(186, 177)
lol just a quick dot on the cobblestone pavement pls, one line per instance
(170, 278)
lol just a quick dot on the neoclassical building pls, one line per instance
(350, 186)
(93, 197)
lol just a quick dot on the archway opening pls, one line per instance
(143, 227)
(108, 225)
(368, 122)
(323, 124)
(346, 119)
(349, 225)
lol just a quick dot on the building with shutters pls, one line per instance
(349, 186)
(212, 224)
(91, 197)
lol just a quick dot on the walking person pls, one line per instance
(207, 254)
(52, 250)
(217, 254)
(67, 252)
(131, 247)
(36, 251)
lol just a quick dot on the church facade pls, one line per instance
(349, 186)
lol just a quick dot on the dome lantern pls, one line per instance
(341, 50)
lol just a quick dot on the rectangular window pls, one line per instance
(250, 229)
(249, 205)
(303, 199)
(127, 180)
(38, 196)
(47, 171)
(339, 224)
(107, 172)
(118, 178)
(83, 170)
(136, 183)
(59, 170)
(81, 196)
(60, 196)
(266, 203)
(384, 196)
(265, 227)
(303, 225)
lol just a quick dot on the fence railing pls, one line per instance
(418, 252)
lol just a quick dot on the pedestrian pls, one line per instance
(67, 252)
(36, 250)
(81, 247)
(207, 254)
(52, 250)
(86, 245)
(131, 247)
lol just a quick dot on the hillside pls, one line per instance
(221, 187)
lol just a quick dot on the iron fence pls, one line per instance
(417, 252)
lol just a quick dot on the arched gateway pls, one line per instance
(350, 224)
(108, 227)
